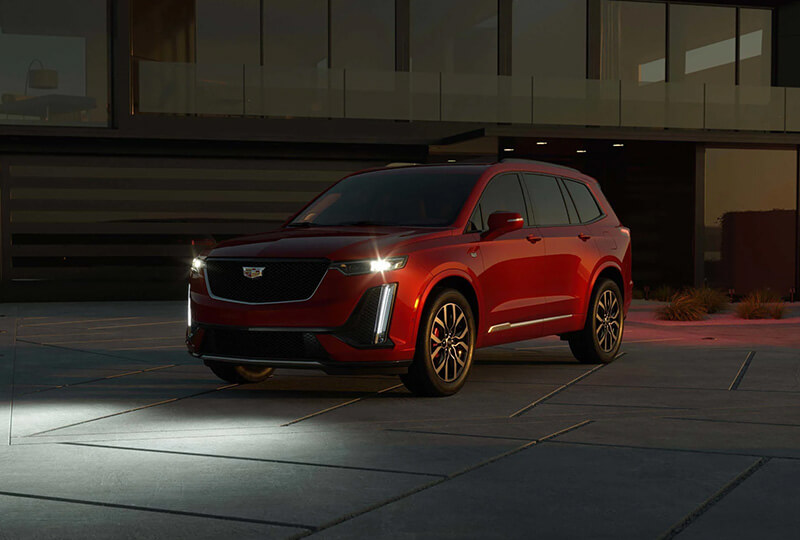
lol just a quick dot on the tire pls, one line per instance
(442, 371)
(239, 374)
(599, 340)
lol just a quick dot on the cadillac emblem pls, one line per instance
(253, 272)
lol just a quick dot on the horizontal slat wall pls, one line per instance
(133, 220)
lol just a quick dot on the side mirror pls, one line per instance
(501, 223)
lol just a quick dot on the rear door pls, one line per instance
(513, 263)
(569, 253)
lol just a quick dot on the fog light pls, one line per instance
(385, 303)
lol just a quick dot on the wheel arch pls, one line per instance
(452, 279)
(607, 270)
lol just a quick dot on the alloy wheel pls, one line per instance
(608, 321)
(449, 342)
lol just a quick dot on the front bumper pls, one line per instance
(351, 323)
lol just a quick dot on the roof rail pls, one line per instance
(535, 162)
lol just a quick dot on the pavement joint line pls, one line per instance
(723, 421)
(116, 340)
(742, 371)
(148, 406)
(156, 510)
(450, 434)
(258, 460)
(680, 450)
(75, 349)
(714, 499)
(138, 324)
(558, 390)
(13, 380)
(100, 379)
(438, 481)
(76, 322)
(340, 405)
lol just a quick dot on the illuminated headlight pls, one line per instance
(370, 266)
(197, 265)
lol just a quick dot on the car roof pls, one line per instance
(501, 166)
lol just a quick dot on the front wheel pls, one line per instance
(238, 373)
(445, 343)
(601, 337)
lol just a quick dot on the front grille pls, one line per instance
(267, 344)
(284, 280)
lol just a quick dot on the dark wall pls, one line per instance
(651, 187)
(787, 44)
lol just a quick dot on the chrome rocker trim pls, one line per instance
(509, 326)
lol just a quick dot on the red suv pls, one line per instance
(408, 270)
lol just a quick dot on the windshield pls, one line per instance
(396, 197)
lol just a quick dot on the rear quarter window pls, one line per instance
(585, 203)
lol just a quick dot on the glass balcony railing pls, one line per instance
(244, 90)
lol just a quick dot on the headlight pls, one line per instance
(370, 266)
(197, 265)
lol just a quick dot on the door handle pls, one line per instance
(532, 238)
(584, 237)
(473, 251)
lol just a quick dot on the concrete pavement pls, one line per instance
(114, 431)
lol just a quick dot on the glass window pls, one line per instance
(399, 197)
(454, 36)
(633, 38)
(53, 62)
(702, 44)
(548, 204)
(295, 34)
(755, 47)
(585, 202)
(362, 34)
(750, 212)
(549, 38)
(503, 194)
(228, 32)
(475, 220)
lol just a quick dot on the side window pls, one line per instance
(573, 213)
(548, 204)
(588, 209)
(475, 221)
(503, 194)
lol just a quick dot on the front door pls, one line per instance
(514, 296)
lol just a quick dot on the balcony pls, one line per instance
(255, 91)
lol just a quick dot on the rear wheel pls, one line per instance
(444, 346)
(601, 337)
(238, 373)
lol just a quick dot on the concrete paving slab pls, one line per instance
(7, 352)
(555, 491)
(773, 371)
(38, 412)
(386, 450)
(269, 404)
(487, 400)
(672, 368)
(282, 493)
(763, 506)
(54, 520)
(700, 436)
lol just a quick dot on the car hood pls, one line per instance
(327, 242)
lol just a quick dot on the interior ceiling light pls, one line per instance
(618, 145)
(508, 149)
(541, 143)
(581, 151)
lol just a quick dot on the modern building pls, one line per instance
(133, 131)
